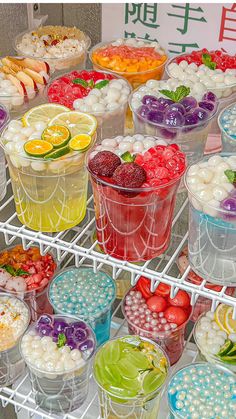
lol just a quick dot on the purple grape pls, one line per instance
(155, 116)
(88, 344)
(80, 335)
(79, 325)
(191, 119)
(71, 343)
(209, 96)
(229, 204)
(189, 103)
(167, 134)
(173, 118)
(162, 104)
(45, 319)
(44, 330)
(69, 332)
(59, 325)
(177, 107)
(209, 106)
(143, 111)
(148, 99)
(201, 113)
(2, 114)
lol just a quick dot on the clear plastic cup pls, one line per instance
(58, 64)
(211, 240)
(59, 392)
(171, 341)
(228, 141)
(100, 321)
(50, 195)
(198, 399)
(191, 139)
(4, 118)
(133, 224)
(205, 355)
(11, 363)
(134, 78)
(132, 407)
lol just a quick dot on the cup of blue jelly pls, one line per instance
(83, 293)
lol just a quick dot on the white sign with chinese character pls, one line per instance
(179, 28)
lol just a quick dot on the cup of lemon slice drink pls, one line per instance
(46, 152)
(130, 372)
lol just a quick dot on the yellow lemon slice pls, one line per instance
(229, 322)
(43, 113)
(76, 122)
(220, 316)
(80, 142)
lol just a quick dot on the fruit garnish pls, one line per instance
(231, 175)
(232, 351)
(37, 148)
(129, 175)
(58, 153)
(43, 113)
(81, 82)
(77, 122)
(104, 163)
(225, 348)
(61, 341)
(220, 315)
(80, 142)
(207, 60)
(230, 324)
(178, 94)
(57, 135)
(229, 359)
(14, 272)
(127, 157)
(101, 84)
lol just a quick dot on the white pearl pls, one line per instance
(98, 107)
(90, 100)
(113, 94)
(210, 315)
(206, 326)
(222, 167)
(40, 125)
(205, 174)
(10, 147)
(18, 137)
(193, 170)
(75, 354)
(112, 106)
(38, 166)
(148, 144)
(109, 142)
(215, 326)
(205, 194)
(215, 160)
(125, 146)
(219, 193)
(138, 147)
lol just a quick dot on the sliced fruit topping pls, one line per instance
(220, 315)
(37, 148)
(230, 324)
(104, 163)
(229, 359)
(80, 142)
(58, 153)
(57, 135)
(44, 113)
(19, 85)
(77, 122)
(129, 175)
(232, 351)
(225, 348)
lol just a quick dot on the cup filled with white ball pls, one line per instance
(211, 186)
(227, 125)
(57, 351)
(174, 111)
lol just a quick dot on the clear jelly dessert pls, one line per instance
(22, 80)
(135, 59)
(14, 320)
(212, 218)
(26, 273)
(227, 124)
(57, 351)
(88, 295)
(174, 114)
(61, 46)
(201, 390)
(157, 316)
(101, 94)
(215, 70)
(202, 304)
(145, 181)
(130, 373)
(215, 336)
(46, 151)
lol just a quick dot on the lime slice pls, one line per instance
(228, 345)
(152, 381)
(230, 324)
(37, 148)
(80, 142)
(58, 153)
(229, 359)
(220, 314)
(57, 135)
(77, 122)
(232, 351)
(111, 352)
(127, 369)
(43, 113)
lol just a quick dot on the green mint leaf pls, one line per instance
(61, 340)
(212, 65)
(10, 270)
(207, 61)
(91, 84)
(21, 272)
(81, 82)
(101, 84)
(231, 175)
(178, 94)
(168, 93)
(127, 156)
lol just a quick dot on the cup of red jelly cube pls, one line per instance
(202, 304)
(134, 197)
(101, 94)
(27, 274)
(158, 317)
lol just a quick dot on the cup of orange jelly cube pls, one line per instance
(135, 59)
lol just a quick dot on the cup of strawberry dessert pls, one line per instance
(27, 274)
(135, 59)
(157, 316)
(214, 70)
(57, 351)
(135, 181)
(211, 186)
(171, 110)
(101, 94)
(215, 337)
(14, 320)
(202, 304)
(227, 124)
